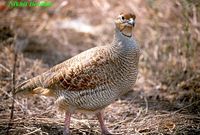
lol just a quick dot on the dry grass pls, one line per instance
(166, 97)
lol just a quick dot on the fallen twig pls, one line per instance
(186, 106)
(13, 94)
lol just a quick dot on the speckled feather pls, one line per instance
(91, 80)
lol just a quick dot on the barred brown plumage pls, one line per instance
(93, 79)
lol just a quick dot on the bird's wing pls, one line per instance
(82, 72)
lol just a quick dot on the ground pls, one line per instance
(166, 97)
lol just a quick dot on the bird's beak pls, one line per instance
(131, 22)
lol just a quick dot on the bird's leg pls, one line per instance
(104, 129)
(67, 123)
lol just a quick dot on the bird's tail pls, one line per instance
(33, 86)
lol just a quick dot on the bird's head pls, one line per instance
(125, 23)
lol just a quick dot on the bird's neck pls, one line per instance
(122, 41)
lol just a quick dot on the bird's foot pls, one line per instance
(106, 132)
(66, 132)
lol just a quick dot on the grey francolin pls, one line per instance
(93, 79)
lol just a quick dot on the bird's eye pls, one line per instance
(122, 18)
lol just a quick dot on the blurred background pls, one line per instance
(166, 97)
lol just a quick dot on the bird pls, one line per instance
(93, 79)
